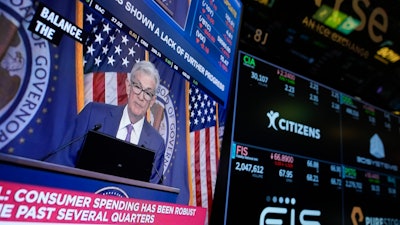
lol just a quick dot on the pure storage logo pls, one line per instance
(358, 218)
(291, 126)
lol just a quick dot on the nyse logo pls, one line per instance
(376, 23)
(283, 215)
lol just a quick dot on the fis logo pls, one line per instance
(284, 214)
(291, 126)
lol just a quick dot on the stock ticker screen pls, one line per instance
(303, 153)
(196, 38)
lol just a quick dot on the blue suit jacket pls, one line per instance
(108, 116)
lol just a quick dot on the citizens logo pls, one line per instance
(291, 126)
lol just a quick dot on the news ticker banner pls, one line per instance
(25, 203)
(203, 46)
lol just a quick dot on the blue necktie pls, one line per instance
(129, 127)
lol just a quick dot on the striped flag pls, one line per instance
(109, 55)
(204, 147)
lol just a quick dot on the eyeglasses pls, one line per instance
(137, 89)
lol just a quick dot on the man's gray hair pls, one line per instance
(148, 68)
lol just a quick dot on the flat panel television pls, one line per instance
(196, 38)
(298, 152)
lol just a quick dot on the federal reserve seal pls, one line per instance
(113, 191)
(24, 69)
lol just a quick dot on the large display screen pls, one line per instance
(299, 152)
(196, 38)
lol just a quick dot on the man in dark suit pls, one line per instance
(141, 85)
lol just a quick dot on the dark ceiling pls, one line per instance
(362, 63)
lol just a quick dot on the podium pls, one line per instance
(39, 192)
(33, 172)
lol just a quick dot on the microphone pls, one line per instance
(95, 128)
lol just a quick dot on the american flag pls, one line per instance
(109, 55)
(204, 147)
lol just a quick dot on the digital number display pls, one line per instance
(286, 107)
(325, 156)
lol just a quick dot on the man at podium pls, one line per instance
(126, 122)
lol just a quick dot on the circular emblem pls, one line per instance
(163, 118)
(113, 191)
(24, 69)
